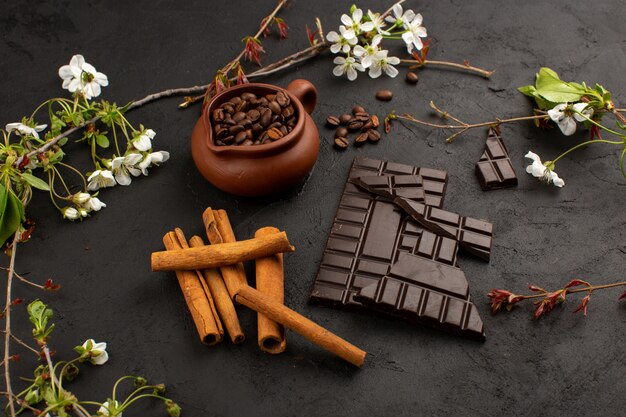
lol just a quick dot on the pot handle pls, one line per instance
(305, 92)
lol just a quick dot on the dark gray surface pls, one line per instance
(564, 364)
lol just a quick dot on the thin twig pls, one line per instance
(24, 280)
(21, 342)
(389, 10)
(7, 325)
(427, 62)
(46, 352)
(575, 290)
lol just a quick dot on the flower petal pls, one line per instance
(533, 156)
(346, 20)
(391, 71)
(338, 70)
(352, 74)
(556, 180)
(332, 36)
(567, 126)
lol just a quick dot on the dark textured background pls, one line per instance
(564, 364)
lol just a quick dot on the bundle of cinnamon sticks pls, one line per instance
(212, 279)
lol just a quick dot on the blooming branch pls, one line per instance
(548, 300)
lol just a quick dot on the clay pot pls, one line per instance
(259, 169)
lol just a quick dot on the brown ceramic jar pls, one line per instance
(260, 169)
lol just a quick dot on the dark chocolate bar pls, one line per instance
(368, 234)
(423, 291)
(474, 236)
(494, 170)
(391, 186)
(434, 181)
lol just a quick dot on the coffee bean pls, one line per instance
(263, 137)
(235, 100)
(270, 97)
(345, 118)
(228, 120)
(332, 121)
(373, 135)
(257, 129)
(218, 115)
(241, 106)
(266, 117)
(275, 107)
(361, 139)
(276, 118)
(239, 116)
(375, 121)
(274, 125)
(341, 143)
(253, 115)
(246, 123)
(241, 136)
(228, 140)
(228, 108)
(274, 133)
(341, 132)
(358, 109)
(287, 112)
(263, 101)
(291, 123)
(355, 125)
(282, 99)
(362, 116)
(283, 130)
(248, 96)
(412, 77)
(367, 126)
(384, 95)
(247, 143)
(236, 129)
(221, 132)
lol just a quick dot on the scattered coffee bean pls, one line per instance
(373, 135)
(357, 109)
(361, 139)
(362, 116)
(375, 121)
(355, 125)
(252, 120)
(332, 121)
(345, 118)
(341, 143)
(384, 95)
(341, 132)
(412, 77)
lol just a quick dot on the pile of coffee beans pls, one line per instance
(251, 120)
(360, 122)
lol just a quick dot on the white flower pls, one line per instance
(366, 53)
(540, 170)
(381, 62)
(341, 42)
(22, 129)
(97, 352)
(414, 32)
(347, 66)
(124, 165)
(143, 142)
(81, 77)
(566, 118)
(399, 16)
(81, 198)
(354, 23)
(70, 213)
(104, 409)
(378, 22)
(94, 204)
(153, 158)
(100, 178)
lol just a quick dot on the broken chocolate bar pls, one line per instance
(494, 170)
(391, 186)
(423, 291)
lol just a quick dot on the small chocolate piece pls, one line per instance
(341, 132)
(412, 77)
(423, 291)
(341, 143)
(392, 186)
(384, 95)
(494, 170)
(474, 236)
(358, 109)
(333, 121)
(345, 118)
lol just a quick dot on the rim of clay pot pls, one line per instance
(252, 150)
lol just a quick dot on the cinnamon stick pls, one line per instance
(198, 299)
(223, 302)
(219, 230)
(262, 303)
(214, 256)
(270, 281)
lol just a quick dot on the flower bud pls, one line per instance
(70, 213)
(81, 198)
(140, 382)
(173, 409)
(159, 389)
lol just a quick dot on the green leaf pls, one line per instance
(550, 87)
(528, 90)
(102, 141)
(35, 182)
(12, 217)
